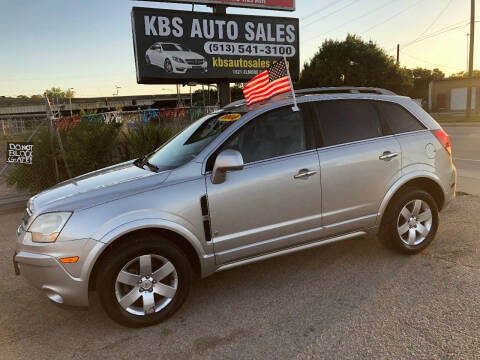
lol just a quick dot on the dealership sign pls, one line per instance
(19, 153)
(181, 46)
(288, 5)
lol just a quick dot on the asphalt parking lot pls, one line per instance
(348, 300)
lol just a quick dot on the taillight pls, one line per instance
(444, 139)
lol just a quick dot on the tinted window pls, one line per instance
(346, 121)
(277, 133)
(171, 47)
(397, 118)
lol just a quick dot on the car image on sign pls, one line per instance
(173, 58)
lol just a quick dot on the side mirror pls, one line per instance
(226, 160)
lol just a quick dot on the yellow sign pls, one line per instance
(230, 117)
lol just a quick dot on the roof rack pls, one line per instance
(344, 89)
(319, 91)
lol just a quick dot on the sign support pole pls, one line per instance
(223, 88)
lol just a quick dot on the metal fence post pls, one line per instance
(50, 130)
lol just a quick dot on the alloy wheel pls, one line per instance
(168, 66)
(146, 284)
(414, 222)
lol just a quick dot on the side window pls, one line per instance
(398, 119)
(276, 133)
(344, 121)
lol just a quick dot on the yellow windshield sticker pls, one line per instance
(230, 117)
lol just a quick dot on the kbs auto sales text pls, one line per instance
(220, 29)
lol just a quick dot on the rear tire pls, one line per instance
(410, 222)
(143, 281)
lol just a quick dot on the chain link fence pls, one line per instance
(74, 145)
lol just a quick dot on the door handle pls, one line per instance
(387, 156)
(304, 173)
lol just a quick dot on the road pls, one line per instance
(466, 156)
(353, 299)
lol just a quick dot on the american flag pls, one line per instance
(270, 82)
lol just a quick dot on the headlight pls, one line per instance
(177, 59)
(45, 228)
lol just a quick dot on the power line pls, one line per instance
(321, 9)
(438, 33)
(332, 13)
(426, 61)
(432, 23)
(393, 16)
(389, 2)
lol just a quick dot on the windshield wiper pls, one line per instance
(142, 161)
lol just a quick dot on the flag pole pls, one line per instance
(295, 107)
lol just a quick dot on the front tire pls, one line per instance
(410, 222)
(168, 66)
(143, 281)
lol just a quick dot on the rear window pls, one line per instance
(344, 121)
(397, 118)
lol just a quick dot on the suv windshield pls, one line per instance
(191, 141)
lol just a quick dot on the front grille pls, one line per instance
(194, 61)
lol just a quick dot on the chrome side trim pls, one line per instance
(290, 250)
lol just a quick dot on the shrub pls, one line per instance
(142, 140)
(88, 146)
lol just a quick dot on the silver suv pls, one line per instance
(240, 185)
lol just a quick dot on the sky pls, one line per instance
(87, 45)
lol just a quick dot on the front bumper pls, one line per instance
(46, 273)
(452, 188)
(64, 284)
(183, 68)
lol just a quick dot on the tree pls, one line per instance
(36, 96)
(354, 62)
(463, 74)
(23, 97)
(421, 80)
(55, 93)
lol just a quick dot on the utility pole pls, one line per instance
(468, 49)
(70, 92)
(398, 54)
(223, 88)
(470, 59)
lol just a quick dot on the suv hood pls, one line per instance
(96, 187)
